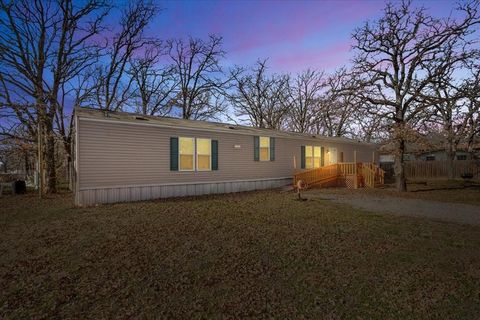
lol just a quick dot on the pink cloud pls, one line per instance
(316, 58)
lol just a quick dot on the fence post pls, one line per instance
(355, 173)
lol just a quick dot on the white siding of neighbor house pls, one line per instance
(129, 161)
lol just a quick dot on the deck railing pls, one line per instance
(346, 168)
(371, 173)
(368, 173)
(379, 175)
(316, 175)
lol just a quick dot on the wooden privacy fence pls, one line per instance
(439, 169)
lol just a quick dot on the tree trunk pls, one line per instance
(399, 167)
(70, 173)
(51, 173)
(67, 145)
(450, 152)
(26, 164)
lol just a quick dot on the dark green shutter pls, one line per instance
(214, 154)
(302, 157)
(272, 149)
(173, 153)
(322, 155)
(256, 148)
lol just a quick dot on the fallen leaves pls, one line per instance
(257, 254)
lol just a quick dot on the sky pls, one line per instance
(293, 35)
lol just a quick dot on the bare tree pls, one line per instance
(393, 56)
(472, 94)
(260, 97)
(200, 76)
(451, 110)
(43, 44)
(302, 100)
(77, 92)
(334, 115)
(16, 154)
(112, 84)
(153, 85)
(368, 127)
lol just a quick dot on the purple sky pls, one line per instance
(294, 35)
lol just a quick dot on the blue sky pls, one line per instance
(294, 35)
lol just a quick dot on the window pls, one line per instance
(430, 158)
(316, 157)
(186, 152)
(332, 155)
(308, 157)
(264, 149)
(462, 157)
(313, 157)
(204, 154)
(190, 154)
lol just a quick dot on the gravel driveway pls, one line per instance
(452, 212)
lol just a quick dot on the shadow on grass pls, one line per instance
(457, 185)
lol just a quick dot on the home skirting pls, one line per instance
(92, 196)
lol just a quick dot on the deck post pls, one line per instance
(355, 173)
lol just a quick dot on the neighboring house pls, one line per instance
(386, 158)
(431, 155)
(429, 148)
(129, 157)
(441, 155)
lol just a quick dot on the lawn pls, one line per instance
(436, 190)
(258, 254)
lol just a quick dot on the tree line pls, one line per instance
(410, 73)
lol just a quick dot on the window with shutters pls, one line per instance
(186, 152)
(204, 154)
(264, 148)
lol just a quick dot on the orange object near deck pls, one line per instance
(346, 174)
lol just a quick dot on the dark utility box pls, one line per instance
(19, 187)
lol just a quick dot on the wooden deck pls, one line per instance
(345, 174)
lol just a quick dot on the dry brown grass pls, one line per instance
(436, 190)
(258, 254)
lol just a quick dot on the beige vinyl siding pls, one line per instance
(121, 154)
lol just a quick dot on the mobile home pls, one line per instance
(129, 157)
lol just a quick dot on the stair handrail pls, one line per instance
(315, 175)
(368, 172)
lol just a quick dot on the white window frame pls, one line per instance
(194, 153)
(260, 149)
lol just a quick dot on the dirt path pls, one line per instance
(452, 212)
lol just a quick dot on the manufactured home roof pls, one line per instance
(135, 118)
